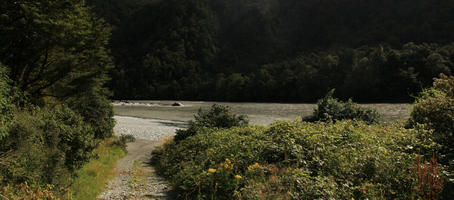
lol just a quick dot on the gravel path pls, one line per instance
(136, 178)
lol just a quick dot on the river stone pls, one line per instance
(177, 104)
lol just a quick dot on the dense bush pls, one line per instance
(218, 116)
(45, 146)
(330, 109)
(96, 110)
(294, 160)
(434, 109)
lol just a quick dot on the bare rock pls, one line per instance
(177, 104)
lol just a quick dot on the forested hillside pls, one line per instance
(277, 50)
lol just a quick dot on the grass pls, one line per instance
(138, 176)
(93, 177)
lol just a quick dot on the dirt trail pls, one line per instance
(136, 178)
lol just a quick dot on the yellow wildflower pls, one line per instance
(238, 176)
(227, 164)
(253, 166)
(211, 170)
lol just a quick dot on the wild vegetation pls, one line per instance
(326, 159)
(434, 110)
(54, 107)
(218, 116)
(55, 113)
(330, 109)
(93, 176)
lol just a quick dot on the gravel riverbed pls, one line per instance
(147, 129)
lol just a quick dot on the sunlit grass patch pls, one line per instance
(93, 177)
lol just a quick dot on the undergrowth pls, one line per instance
(218, 116)
(295, 160)
(330, 109)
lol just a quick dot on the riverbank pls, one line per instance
(258, 113)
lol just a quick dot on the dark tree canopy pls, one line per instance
(277, 50)
(56, 52)
(53, 48)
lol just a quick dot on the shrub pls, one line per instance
(294, 160)
(430, 183)
(127, 138)
(218, 116)
(96, 110)
(123, 140)
(45, 146)
(26, 192)
(434, 110)
(330, 109)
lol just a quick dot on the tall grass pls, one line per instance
(93, 177)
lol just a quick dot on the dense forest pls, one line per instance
(276, 50)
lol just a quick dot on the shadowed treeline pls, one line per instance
(277, 50)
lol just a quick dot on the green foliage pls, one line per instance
(295, 160)
(96, 110)
(218, 116)
(56, 53)
(53, 48)
(434, 110)
(5, 102)
(53, 104)
(127, 138)
(123, 140)
(92, 178)
(45, 146)
(330, 109)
